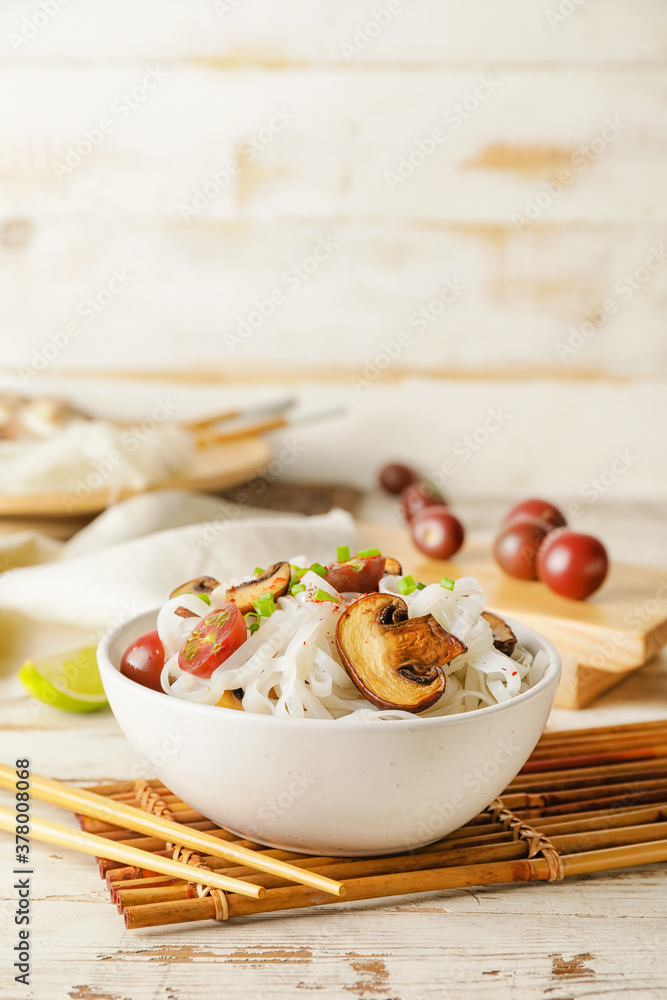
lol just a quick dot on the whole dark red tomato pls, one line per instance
(143, 660)
(436, 532)
(546, 513)
(417, 496)
(359, 575)
(571, 564)
(516, 548)
(395, 476)
(213, 640)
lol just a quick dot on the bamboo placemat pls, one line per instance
(586, 801)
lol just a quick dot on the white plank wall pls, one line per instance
(297, 31)
(535, 209)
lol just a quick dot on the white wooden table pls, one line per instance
(596, 936)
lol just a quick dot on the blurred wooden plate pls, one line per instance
(214, 468)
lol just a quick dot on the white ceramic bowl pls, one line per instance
(329, 787)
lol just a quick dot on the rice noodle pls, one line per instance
(290, 667)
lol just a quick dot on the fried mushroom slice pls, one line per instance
(231, 699)
(392, 567)
(504, 638)
(395, 661)
(275, 581)
(200, 585)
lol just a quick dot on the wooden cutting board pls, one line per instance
(600, 640)
(214, 468)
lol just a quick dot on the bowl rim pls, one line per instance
(551, 676)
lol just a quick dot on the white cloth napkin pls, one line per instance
(114, 569)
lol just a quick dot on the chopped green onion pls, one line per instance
(298, 588)
(368, 553)
(323, 595)
(264, 605)
(421, 586)
(205, 598)
(406, 585)
(253, 625)
(297, 571)
(259, 571)
(447, 583)
(319, 569)
(343, 553)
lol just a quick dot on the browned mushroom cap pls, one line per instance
(275, 581)
(395, 661)
(392, 567)
(200, 585)
(231, 699)
(504, 638)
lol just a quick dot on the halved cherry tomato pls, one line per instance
(143, 660)
(360, 575)
(216, 637)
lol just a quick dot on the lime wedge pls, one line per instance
(70, 681)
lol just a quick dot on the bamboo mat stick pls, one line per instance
(106, 830)
(569, 823)
(583, 775)
(581, 822)
(88, 843)
(600, 821)
(615, 857)
(346, 868)
(604, 830)
(154, 846)
(518, 800)
(657, 744)
(109, 790)
(629, 798)
(601, 816)
(376, 887)
(596, 758)
(97, 806)
(638, 735)
(144, 891)
(618, 730)
(112, 874)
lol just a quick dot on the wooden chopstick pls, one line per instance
(80, 801)
(88, 843)
(261, 410)
(206, 438)
(215, 418)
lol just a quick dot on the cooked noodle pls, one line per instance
(290, 666)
